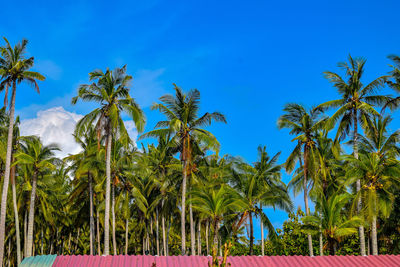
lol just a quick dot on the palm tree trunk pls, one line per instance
(305, 170)
(163, 233)
(262, 233)
(91, 214)
(157, 237)
(151, 240)
(98, 230)
(107, 204)
(215, 239)
(192, 232)
(31, 219)
(169, 227)
(358, 185)
(251, 233)
(25, 232)
(126, 235)
(183, 232)
(374, 236)
(199, 237)
(207, 246)
(14, 195)
(6, 180)
(113, 219)
(321, 249)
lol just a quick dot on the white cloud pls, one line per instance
(56, 125)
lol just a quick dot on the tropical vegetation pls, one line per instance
(175, 194)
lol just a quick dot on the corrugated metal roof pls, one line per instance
(235, 261)
(39, 261)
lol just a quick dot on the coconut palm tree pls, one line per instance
(217, 204)
(257, 187)
(332, 220)
(355, 106)
(111, 91)
(270, 174)
(379, 176)
(186, 126)
(39, 159)
(84, 165)
(14, 69)
(305, 125)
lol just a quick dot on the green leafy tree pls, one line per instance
(355, 106)
(334, 223)
(39, 159)
(184, 122)
(14, 69)
(111, 91)
(378, 176)
(305, 126)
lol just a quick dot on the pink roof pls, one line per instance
(236, 261)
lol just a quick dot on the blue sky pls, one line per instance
(248, 58)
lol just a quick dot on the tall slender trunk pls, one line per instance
(321, 249)
(91, 213)
(169, 227)
(207, 227)
(108, 185)
(14, 196)
(126, 235)
(31, 219)
(98, 230)
(199, 237)
(157, 231)
(151, 241)
(262, 233)
(251, 233)
(25, 232)
(374, 238)
(113, 219)
(192, 232)
(305, 189)
(358, 184)
(6, 180)
(368, 246)
(215, 239)
(183, 232)
(163, 233)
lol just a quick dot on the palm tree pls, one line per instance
(184, 122)
(394, 82)
(257, 187)
(355, 106)
(111, 91)
(270, 174)
(378, 176)
(39, 159)
(84, 165)
(14, 69)
(305, 126)
(332, 220)
(217, 204)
